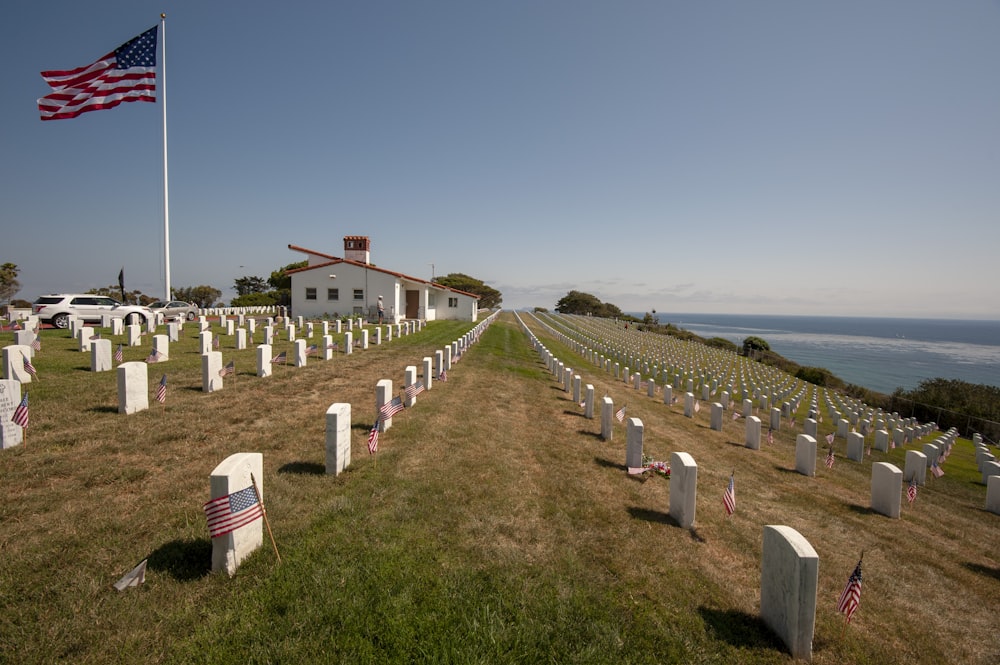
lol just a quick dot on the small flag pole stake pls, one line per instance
(267, 522)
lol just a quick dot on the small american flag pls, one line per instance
(697, 406)
(729, 496)
(373, 438)
(119, 354)
(770, 436)
(228, 369)
(36, 344)
(829, 458)
(333, 345)
(161, 390)
(281, 358)
(20, 416)
(830, 438)
(228, 513)
(736, 415)
(911, 491)
(312, 349)
(28, 367)
(936, 470)
(215, 343)
(583, 404)
(413, 390)
(389, 409)
(154, 357)
(443, 376)
(96, 335)
(850, 598)
(620, 414)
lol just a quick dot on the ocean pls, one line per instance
(881, 354)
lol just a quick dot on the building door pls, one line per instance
(413, 304)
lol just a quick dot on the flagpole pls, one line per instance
(166, 197)
(263, 511)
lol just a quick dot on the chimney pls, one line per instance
(356, 248)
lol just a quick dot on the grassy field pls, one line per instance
(494, 525)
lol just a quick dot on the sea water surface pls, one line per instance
(881, 354)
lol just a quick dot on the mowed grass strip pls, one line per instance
(493, 526)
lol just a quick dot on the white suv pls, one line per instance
(57, 308)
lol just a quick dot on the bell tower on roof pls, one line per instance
(357, 248)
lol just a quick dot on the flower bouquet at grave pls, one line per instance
(662, 468)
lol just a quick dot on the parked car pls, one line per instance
(175, 309)
(56, 309)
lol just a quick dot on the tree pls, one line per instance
(489, 298)
(131, 297)
(751, 344)
(9, 285)
(265, 299)
(250, 284)
(203, 296)
(279, 279)
(577, 302)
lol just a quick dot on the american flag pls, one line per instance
(312, 349)
(127, 74)
(28, 367)
(830, 438)
(119, 354)
(20, 416)
(15, 326)
(770, 436)
(620, 414)
(911, 491)
(736, 415)
(96, 335)
(281, 358)
(389, 409)
(936, 469)
(829, 458)
(413, 390)
(373, 438)
(697, 406)
(228, 513)
(36, 344)
(228, 369)
(154, 357)
(215, 343)
(443, 376)
(850, 598)
(333, 345)
(729, 496)
(161, 390)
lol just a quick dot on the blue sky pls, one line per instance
(765, 157)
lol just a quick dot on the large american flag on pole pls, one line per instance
(127, 74)
(228, 513)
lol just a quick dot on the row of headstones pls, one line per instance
(778, 389)
(239, 471)
(990, 468)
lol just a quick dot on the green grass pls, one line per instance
(493, 526)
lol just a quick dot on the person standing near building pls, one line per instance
(381, 310)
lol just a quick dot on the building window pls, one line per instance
(452, 302)
(333, 294)
(310, 293)
(359, 294)
(431, 300)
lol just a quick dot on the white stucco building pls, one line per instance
(336, 287)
